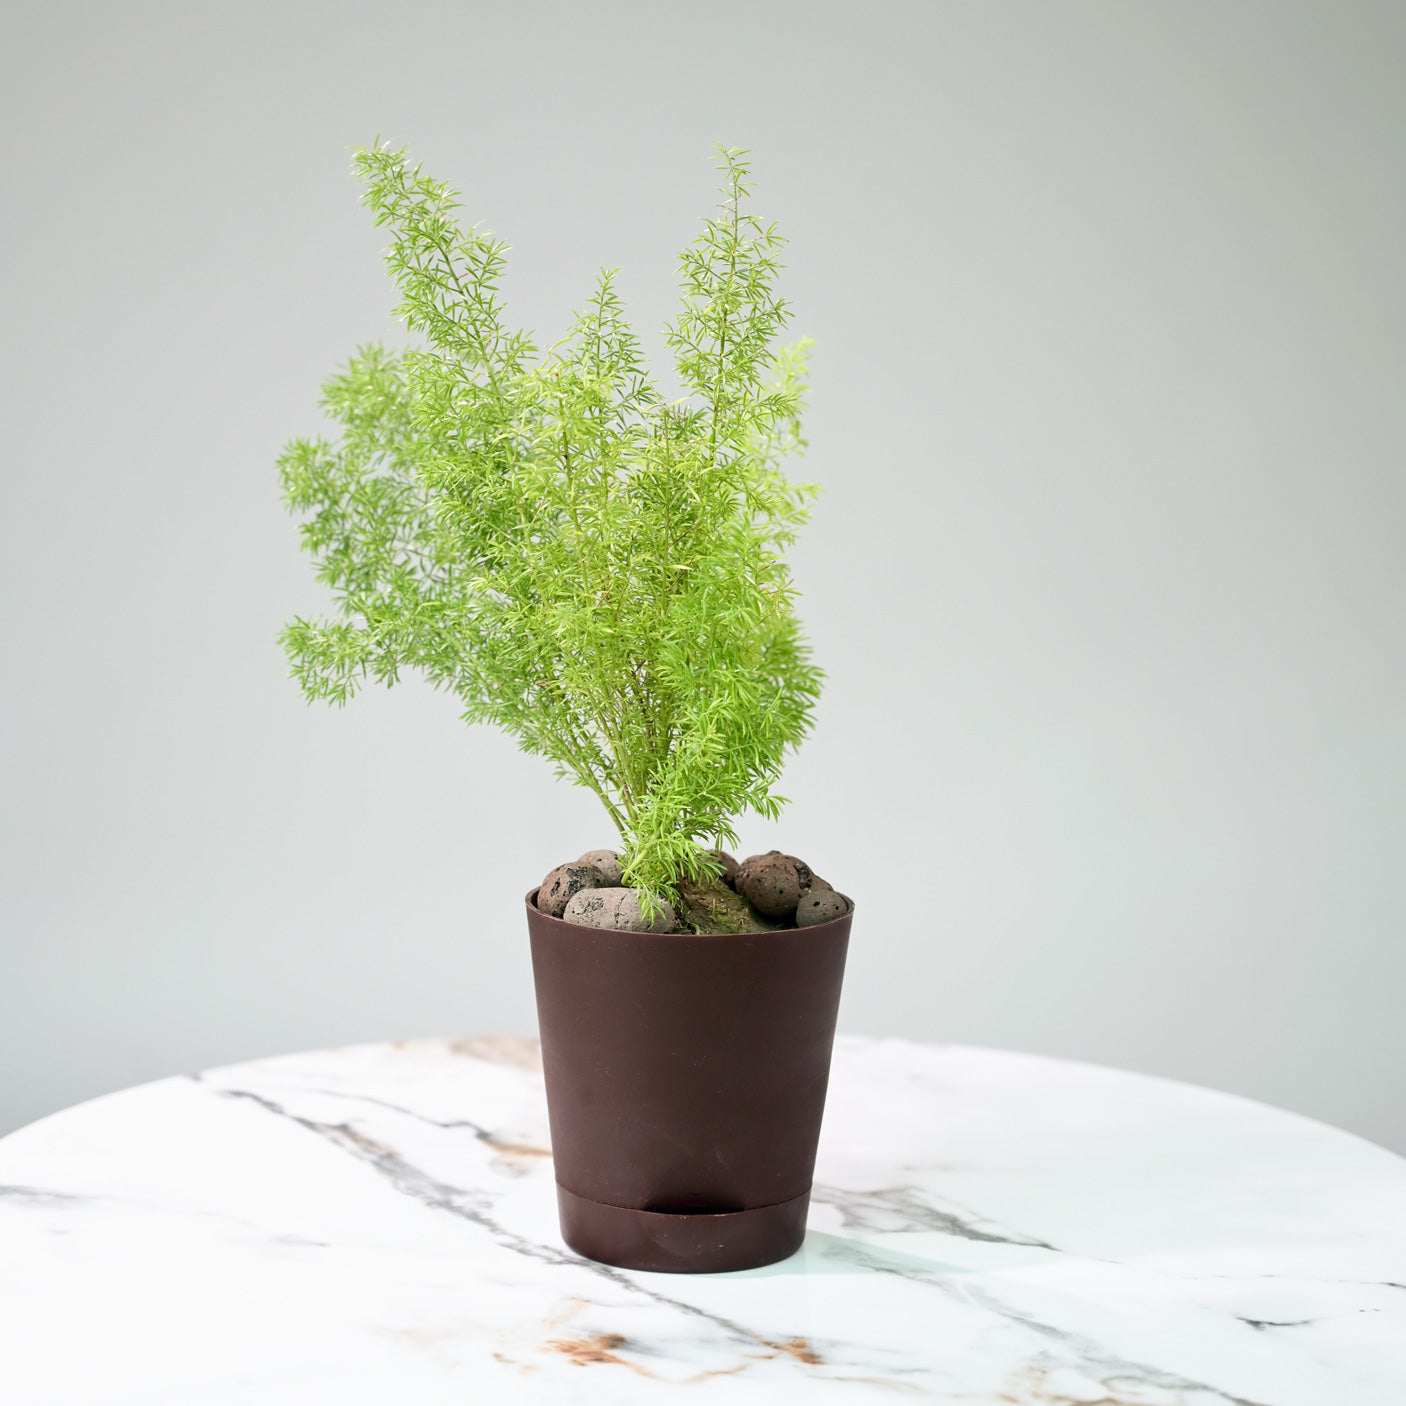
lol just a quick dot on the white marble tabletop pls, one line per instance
(377, 1224)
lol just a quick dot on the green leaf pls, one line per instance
(593, 569)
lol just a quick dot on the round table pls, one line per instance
(377, 1225)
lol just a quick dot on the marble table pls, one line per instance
(377, 1224)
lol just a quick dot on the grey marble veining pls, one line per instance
(377, 1224)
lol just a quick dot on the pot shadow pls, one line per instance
(823, 1253)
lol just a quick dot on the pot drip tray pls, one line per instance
(693, 1243)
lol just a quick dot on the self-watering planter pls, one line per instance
(686, 1079)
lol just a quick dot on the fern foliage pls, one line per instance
(589, 565)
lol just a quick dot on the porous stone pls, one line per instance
(607, 861)
(592, 908)
(820, 906)
(804, 873)
(770, 884)
(629, 914)
(728, 863)
(817, 884)
(564, 883)
(618, 910)
(750, 863)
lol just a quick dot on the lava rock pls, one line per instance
(769, 882)
(820, 906)
(804, 874)
(607, 861)
(750, 863)
(728, 863)
(564, 883)
(618, 910)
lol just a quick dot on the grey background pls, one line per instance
(1108, 576)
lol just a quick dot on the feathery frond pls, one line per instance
(593, 569)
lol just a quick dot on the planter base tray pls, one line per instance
(700, 1243)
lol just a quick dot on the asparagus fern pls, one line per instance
(583, 562)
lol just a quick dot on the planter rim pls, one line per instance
(531, 902)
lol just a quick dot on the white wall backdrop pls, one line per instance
(1108, 576)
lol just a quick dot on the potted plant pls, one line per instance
(597, 568)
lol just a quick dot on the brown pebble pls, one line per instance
(804, 874)
(770, 885)
(820, 906)
(750, 863)
(607, 861)
(563, 884)
(729, 865)
(618, 910)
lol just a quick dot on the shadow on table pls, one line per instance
(834, 1254)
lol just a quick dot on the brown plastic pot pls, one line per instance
(686, 1081)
